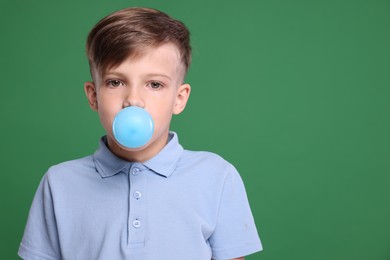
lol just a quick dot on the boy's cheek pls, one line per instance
(106, 123)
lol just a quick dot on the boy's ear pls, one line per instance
(183, 93)
(90, 92)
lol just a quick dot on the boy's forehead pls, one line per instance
(163, 56)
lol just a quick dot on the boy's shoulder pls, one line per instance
(206, 161)
(80, 165)
(203, 157)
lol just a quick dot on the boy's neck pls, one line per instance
(141, 155)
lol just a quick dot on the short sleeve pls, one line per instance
(235, 234)
(40, 239)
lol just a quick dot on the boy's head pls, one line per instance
(138, 57)
(129, 33)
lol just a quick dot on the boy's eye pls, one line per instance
(114, 83)
(155, 85)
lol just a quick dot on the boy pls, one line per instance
(157, 201)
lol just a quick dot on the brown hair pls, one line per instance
(128, 32)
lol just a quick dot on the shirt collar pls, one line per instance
(164, 163)
(108, 164)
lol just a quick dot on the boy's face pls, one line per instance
(152, 81)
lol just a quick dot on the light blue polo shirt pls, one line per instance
(178, 205)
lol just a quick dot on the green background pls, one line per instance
(294, 93)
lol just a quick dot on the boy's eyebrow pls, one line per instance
(158, 75)
(114, 73)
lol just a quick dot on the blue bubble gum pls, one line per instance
(133, 127)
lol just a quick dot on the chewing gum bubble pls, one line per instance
(133, 127)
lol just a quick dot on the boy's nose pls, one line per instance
(133, 98)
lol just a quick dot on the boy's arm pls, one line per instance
(235, 232)
(40, 239)
(240, 258)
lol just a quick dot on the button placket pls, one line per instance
(137, 206)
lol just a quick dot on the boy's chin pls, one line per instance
(129, 149)
(118, 146)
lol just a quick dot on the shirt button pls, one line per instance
(135, 171)
(136, 223)
(137, 195)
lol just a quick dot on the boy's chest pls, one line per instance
(139, 211)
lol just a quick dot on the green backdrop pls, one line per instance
(294, 93)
